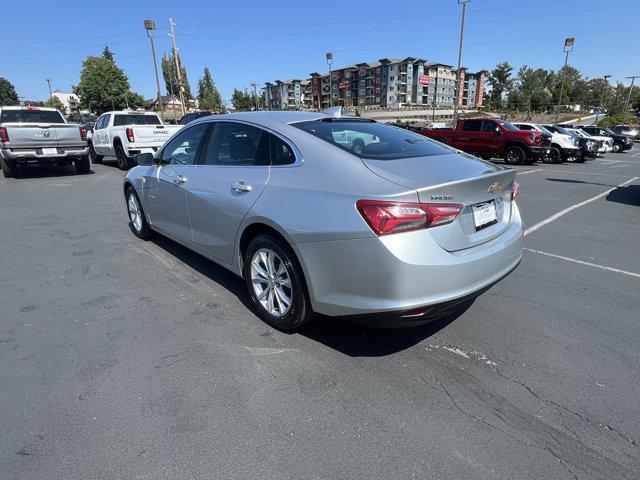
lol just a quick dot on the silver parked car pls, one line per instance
(390, 226)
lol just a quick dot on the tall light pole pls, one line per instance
(633, 77)
(568, 47)
(255, 94)
(149, 26)
(49, 83)
(330, 62)
(457, 96)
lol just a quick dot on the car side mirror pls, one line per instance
(144, 159)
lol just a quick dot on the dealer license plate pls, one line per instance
(484, 214)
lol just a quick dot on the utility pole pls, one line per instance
(633, 78)
(178, 70)
(49, 83)
(255, 95)
(568, 47)
(601, 105)
(435, 96)
(458, 72)
(149, 26)
(330, 62)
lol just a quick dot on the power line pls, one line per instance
(73, 40)
(4, 52)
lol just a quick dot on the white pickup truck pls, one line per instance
(35, 135)
(126, 134)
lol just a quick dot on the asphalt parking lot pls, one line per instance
(128, 359)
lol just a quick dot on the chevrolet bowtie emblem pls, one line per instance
(495, 188)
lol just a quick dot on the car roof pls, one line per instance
(271, 118)
(26, 107)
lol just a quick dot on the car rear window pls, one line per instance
(372, 140)
(31, 116)
(120, 120)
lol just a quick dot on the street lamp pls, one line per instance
(149, 26)
(568, 47)
(329, 56)
(49, 83)
(457, 96)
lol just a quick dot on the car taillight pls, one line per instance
(130, 135)
(394, 217)
(4, 135)
(83, 134)
(515, 188)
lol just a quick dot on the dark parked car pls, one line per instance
(190, 117)
(627, 130)
(620, 142)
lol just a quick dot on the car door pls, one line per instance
(95, 137)
(490, 137)
(164, 184)
(232, 173)
(468, 137)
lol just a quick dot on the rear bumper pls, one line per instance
(133, 150)
(399, 273)
(35, 155)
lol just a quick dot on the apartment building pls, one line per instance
(282, 95)
(388, 82)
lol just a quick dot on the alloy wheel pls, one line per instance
(271, 282)
(134, 212)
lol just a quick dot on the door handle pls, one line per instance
(242, 187)
(180, 179)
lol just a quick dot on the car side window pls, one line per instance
(525, 127)
(472, 125)
(183, 149)
(237, 144)
(100, 123)
(489, 126)
(281, 153)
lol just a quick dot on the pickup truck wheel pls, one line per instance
(137, 220)
(82, 165)
(515, 155)
(95, 158)
(9, 168)
(123, 162)
(554, 156)
(617, 148)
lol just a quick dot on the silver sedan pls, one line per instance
(325, 213)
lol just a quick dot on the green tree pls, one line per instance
(170, 75)
(55, 102)
(242, 100)
(208, 95)
(501, 83)
(106, 53)
(8, 95)
(103, 86)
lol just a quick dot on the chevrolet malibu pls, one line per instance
(337, 215)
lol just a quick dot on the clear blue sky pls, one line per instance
(246, 41)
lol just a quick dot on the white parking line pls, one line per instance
(623, 165)
(635, 154)
(582, 262)
(529, 171)
(561, 213)
(588, 173)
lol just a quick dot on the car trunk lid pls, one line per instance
(153, 135)
(455, 179)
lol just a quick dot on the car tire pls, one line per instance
(82, 164)
(137, 218)
(123, 161)
(9, 168)
(95, 158)
(269, 258)
(515, 155)
(485, 156)
(580, 157)
(617, 148)
(554, 156)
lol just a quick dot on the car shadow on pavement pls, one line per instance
(358, 340)
(37, 171)
(355, 340)
(568, 180)
(206, 267)
(629, 195)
